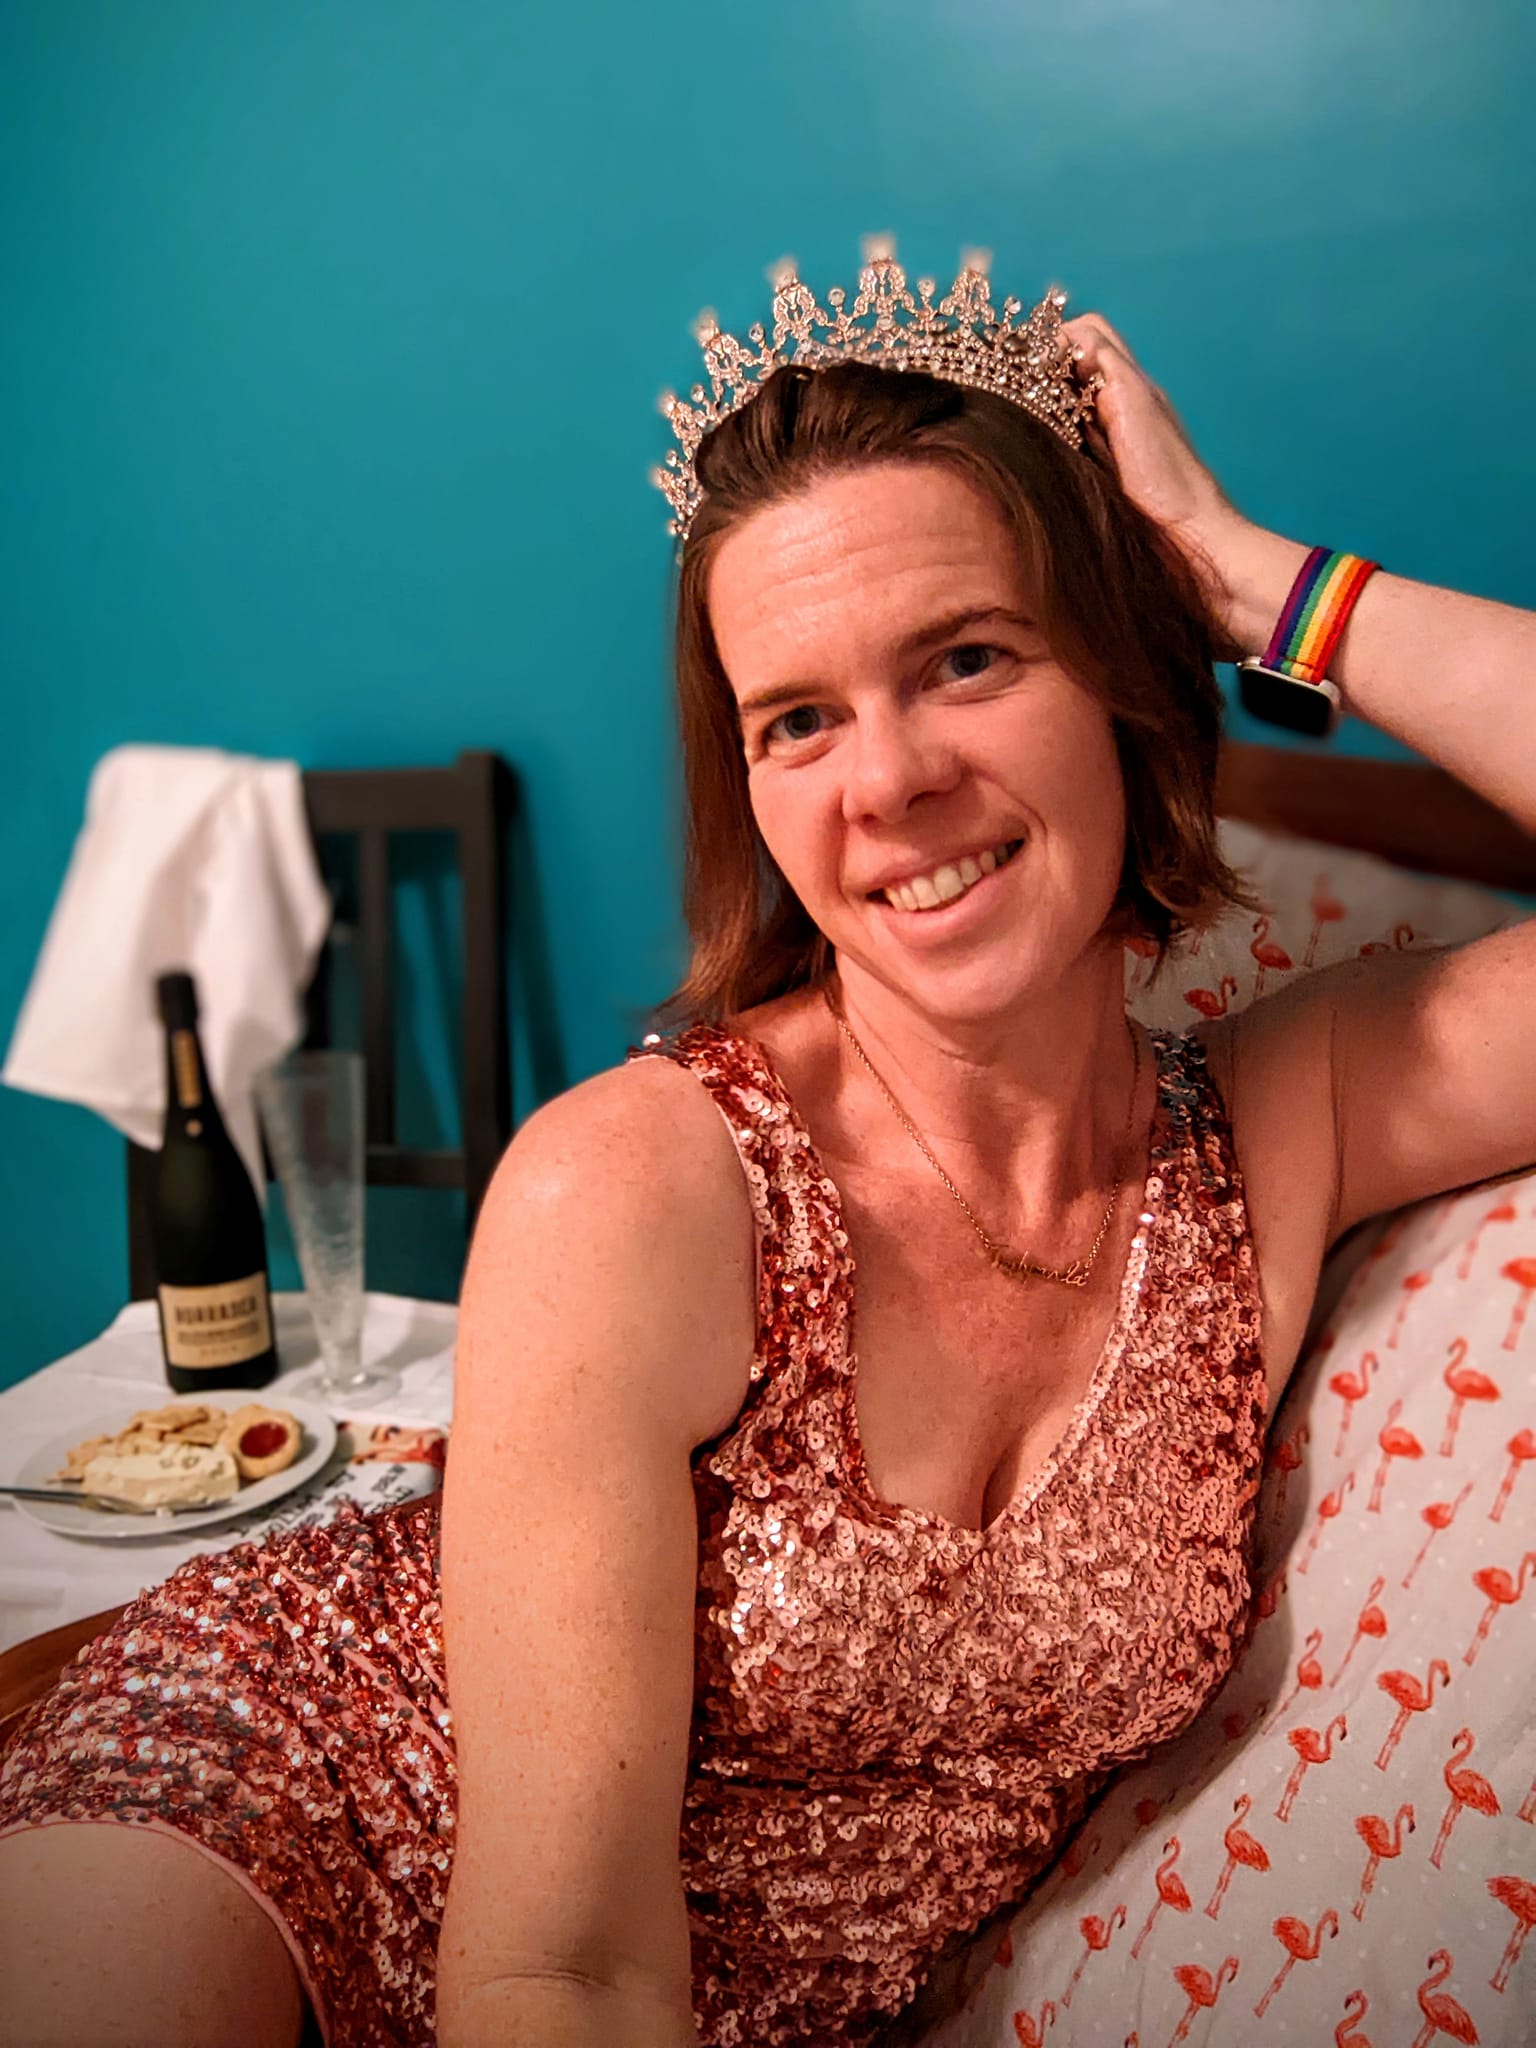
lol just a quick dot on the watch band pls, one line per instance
(1288, 683)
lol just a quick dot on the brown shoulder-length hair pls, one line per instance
(1117, 604)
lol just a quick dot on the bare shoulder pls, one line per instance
(617, 1236)
(641, 1131)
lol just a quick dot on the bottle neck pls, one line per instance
(190, 1109)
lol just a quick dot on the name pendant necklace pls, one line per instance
(1014, 1264)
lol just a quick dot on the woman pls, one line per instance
(878, 1627)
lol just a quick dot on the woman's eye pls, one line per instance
(973, 659)
(801, 723)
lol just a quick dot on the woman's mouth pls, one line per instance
(948, 882)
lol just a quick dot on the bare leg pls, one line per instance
(121, 1937)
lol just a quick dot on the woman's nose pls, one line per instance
(892, 762)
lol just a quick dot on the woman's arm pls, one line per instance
(1419, 1067)
(606, 1330)
(1451, 676)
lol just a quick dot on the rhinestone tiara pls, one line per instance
(964, 339)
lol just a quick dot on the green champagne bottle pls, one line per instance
(205, 1226)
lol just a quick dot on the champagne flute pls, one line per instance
(312, 1110)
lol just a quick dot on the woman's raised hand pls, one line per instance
(1136, 433)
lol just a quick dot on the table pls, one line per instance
(48, 1579)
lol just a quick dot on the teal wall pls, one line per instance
(332, 337)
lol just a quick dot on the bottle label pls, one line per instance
(214, 1326)
(189, 1089)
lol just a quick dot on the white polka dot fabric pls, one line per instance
(1342, 1849)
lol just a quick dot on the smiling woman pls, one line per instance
(861, 1393)
(1066, 576)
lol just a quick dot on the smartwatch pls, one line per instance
(1287, 685)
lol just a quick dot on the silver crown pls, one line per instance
(964, 338)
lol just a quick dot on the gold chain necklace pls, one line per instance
(1013, 1264)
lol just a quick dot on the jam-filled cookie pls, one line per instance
(262, 1440)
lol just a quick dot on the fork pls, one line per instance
(107, 1503)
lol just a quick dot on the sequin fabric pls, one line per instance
(896, 1720)
(283, 1704)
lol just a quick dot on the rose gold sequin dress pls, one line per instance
(897, 1720)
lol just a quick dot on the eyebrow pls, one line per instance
(938, 630)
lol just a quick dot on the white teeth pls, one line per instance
(927, 892)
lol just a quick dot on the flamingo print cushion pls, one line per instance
(1342, 1849)
(1321, 904)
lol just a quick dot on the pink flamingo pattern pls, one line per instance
(1467, 1789)
(1213, 1002)
(1328, 1508)
(1466, 1384)
(1522, 1448)
(1412, 1284)
(1501, 1212)
(1442, 2014)
(1171, 1891)
(1371, 1622)
(1241, 1848)
(1031, 2032)
(1395, 1443)
(1523, 1273)
(1413, 1696)
(1302, 1944)
(1500, 1590)
(1326, 909)
(1347, 2033)
(1097, 1935)
(1272, 959)
(1350, 1388)
(1403, 936)
(1519, 1894)
(1145, 952)
(1382, 1842)
(1202, 1990)
(1311, 1749)
(1286, 1458)
(1438, 1514)
(1309, 1670)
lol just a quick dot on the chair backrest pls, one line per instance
(1408, 812)
(367, 808)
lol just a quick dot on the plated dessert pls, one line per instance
(184, 1454)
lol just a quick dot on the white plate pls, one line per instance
(104, 1526)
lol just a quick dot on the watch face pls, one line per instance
(1307, 708)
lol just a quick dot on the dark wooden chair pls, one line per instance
(356, 814)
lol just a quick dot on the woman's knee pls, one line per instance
(115, 1936)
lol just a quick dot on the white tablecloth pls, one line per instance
(47, 1579)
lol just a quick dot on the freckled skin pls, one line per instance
(904, 760)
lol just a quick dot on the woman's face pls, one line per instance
(941, 795)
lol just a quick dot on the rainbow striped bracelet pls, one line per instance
(1288, 683)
